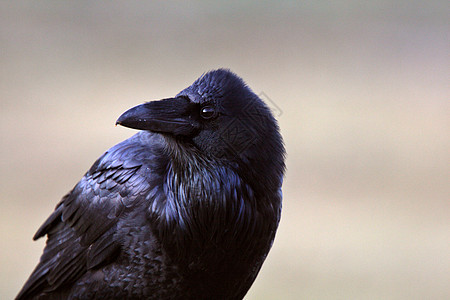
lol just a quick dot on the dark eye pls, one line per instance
(207, 112)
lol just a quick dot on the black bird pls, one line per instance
(187, 208)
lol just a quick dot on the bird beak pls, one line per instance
(165, 116)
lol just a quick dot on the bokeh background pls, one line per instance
(363, 91)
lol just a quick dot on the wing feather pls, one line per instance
(81, 229)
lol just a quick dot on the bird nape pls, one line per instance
(187, 208)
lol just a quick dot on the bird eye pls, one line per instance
(207, 112)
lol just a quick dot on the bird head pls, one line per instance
(220, 117)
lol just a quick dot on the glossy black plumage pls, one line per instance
(185, 209)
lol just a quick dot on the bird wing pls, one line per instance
(81, 229)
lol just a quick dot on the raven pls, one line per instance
(187, 208)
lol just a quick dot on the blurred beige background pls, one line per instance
(364, 93)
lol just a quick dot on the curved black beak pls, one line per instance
(171, 116)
